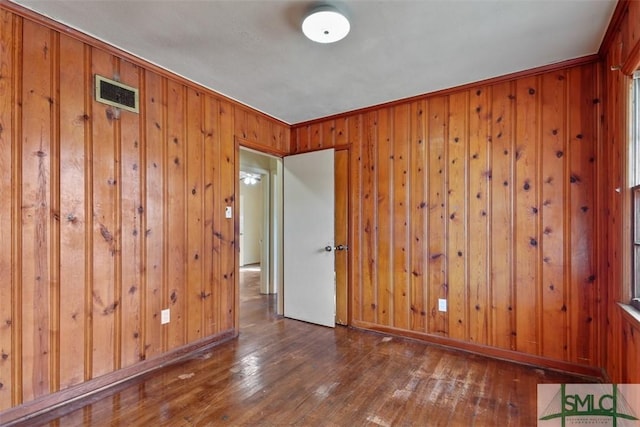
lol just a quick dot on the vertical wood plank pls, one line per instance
(209, 255)
(418, 217)
(175, 220)
(552, 207)
(315, 134)
(479, 169)
(369, 225)
(154, 103)
(74, 126)
(328, 134)
(581, 137)
(437, 265)
(228, 180)
(384, 232)
(8, 227)
(36, 201)
(400, 219)
(341, 130)
(503, 98)
(341, 164)
(457, 216)
(526, 236)
(195, 294)
(131, 211)
(356, 198)
(105, 237)
(304, 139)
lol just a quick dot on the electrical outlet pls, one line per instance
(228, 212)
(165, 316)
(442, 304)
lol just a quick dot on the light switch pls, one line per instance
(228, 212)
(165, 316)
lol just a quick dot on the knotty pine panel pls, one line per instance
(131, 213)
(74, 210)
(35, 245)
(108, 217)
(400, 280)
(9, 265)
(526, 222)
(457, 146)
(501, 195)
(480, 181)
(477, 164)
(418, 214)
(367, 257)
(385, 234)
(229, 172)
(554, 215)
(259, 132)
(582, 138)
(436, 261)
(154, 109)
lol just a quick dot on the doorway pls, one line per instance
(260, 237)
(270, 268)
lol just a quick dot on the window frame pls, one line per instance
(634, 191)
(635, 246)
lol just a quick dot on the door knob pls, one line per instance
(328, 248)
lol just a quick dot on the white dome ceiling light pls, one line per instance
(325, 24)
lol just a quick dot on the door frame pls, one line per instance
(276, 227)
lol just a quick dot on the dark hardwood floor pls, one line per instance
(282, 372)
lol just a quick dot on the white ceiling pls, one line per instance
(254, 51)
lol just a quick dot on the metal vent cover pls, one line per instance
(116, 94)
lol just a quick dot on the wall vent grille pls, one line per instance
(116, 94)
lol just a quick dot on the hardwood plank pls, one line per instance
(274, 374)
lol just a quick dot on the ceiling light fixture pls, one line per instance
(325, 24)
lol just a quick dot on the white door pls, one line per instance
(309, 278)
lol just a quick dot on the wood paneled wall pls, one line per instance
(108, 217)
(485, 197)
(621, 55)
